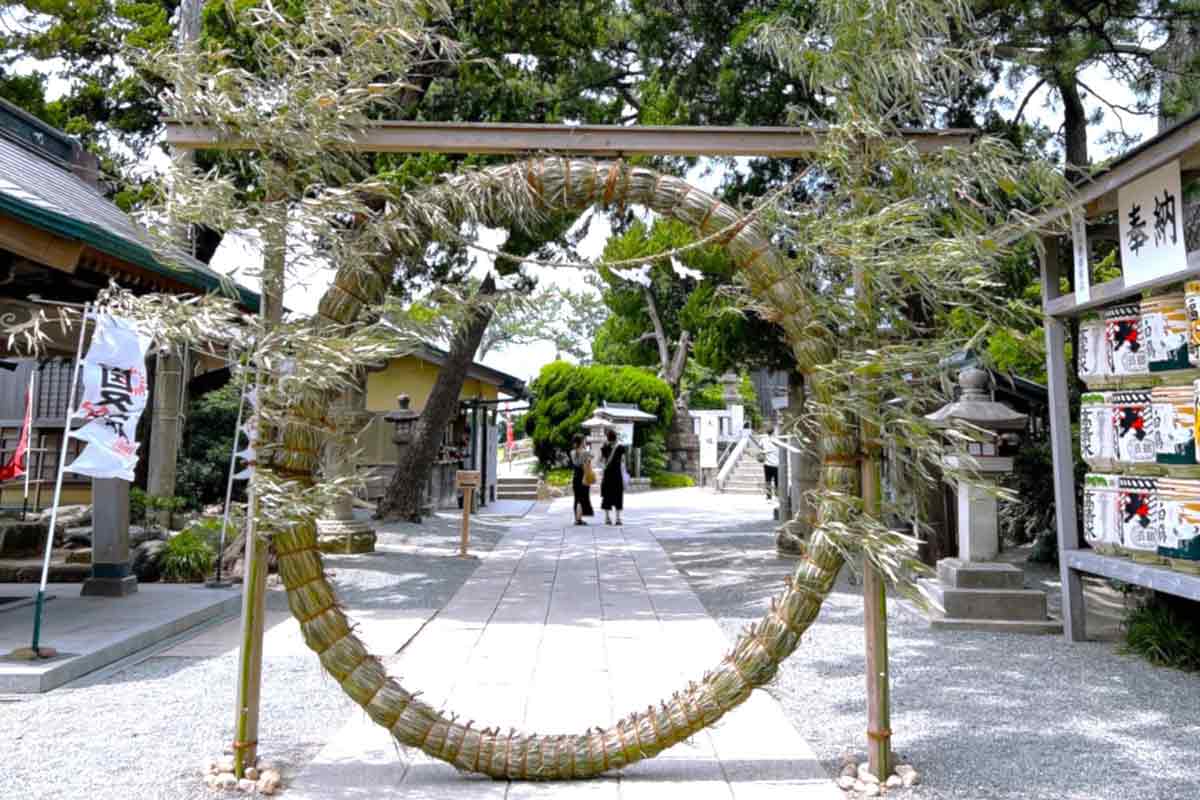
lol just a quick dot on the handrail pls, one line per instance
(731, 461)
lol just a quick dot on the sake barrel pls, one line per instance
(1141, 518)
(1191, 299)
(1181, 524)
(1122, 333)
(1093, 360)
(1174, 425)
(1133, 412)
(1165, 333)
(1097, 430)
(1102, 513)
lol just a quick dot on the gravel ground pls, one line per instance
(1004, 716)
(147, 731)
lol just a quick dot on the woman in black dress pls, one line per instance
(612, 485)
(583, 492)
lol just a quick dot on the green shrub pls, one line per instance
(564, 395)
(207, 440)
(559, 476)
(654, 454)
(208, 529)
(187, 557)
(137, 506)
(671, 480)
(1166, 632)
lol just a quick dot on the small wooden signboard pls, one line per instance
(468, 480)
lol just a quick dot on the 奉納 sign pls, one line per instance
(1151, 226)
(467, 479)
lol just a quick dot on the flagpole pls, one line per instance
(29, 436)
(62, 458)
(237, 435)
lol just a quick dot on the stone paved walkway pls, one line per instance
(558, 630)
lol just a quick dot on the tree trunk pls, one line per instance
(1074, 126)
(404, 494)
(1179, 58)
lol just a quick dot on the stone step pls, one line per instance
(532, 480)
(961, 574)
(1027, 605)
(743, 489)
(997, 625)
(515, 495)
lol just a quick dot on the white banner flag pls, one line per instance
(114, 396)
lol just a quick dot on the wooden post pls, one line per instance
(468, 480)
(468, 496)
(1073, 614)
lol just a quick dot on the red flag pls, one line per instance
(15, 466)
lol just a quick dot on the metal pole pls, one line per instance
(62, 458)
(216, 583)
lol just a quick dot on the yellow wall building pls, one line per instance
(415, 375)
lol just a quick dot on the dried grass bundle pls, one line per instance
(561, 184)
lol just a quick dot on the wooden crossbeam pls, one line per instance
(517, 139)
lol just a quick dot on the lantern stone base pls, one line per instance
(986, 596)
(345, 536)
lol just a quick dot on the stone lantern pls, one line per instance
(339, 531)
(975, 591)
(996, 434)
(405, 420)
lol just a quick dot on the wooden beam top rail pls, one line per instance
(1114, 291)
(1182, 142)
(502, 138)
(1160, 579)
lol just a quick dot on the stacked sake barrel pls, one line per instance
(1138, 429)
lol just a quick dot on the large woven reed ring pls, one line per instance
(560, 185)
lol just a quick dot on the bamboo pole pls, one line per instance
(879, 741)
(254, 582)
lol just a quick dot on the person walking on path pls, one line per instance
(770, 461)
(612, 484)
(582, 479)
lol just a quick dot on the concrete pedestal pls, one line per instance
(339, 531)
(345, 536)
(978, 524)
(111, 575)
(987, 596)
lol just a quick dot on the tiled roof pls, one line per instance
(38, 191)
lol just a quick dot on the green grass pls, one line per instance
(671, 480)
(560, 476)
(1164, 634)
(187, 557)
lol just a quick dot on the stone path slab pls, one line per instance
(558, 630)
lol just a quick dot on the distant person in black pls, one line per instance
(612, 484)
(580, 457)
